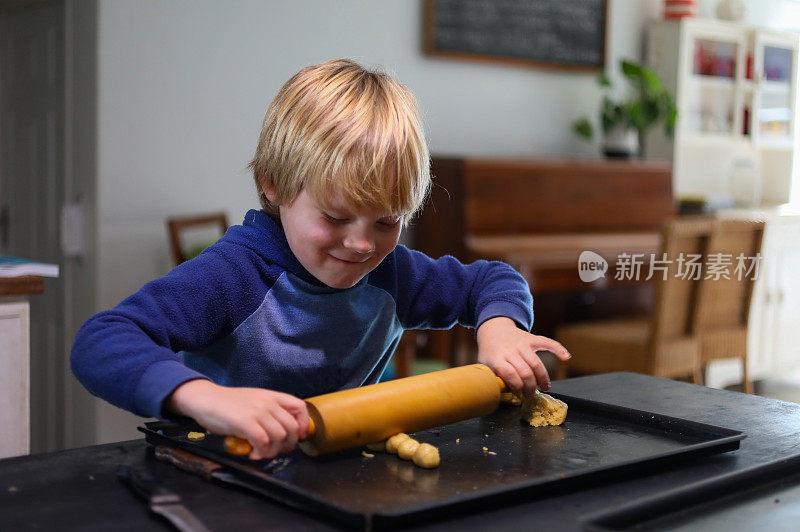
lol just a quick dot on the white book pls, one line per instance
(17, 267)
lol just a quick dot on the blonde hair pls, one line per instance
(340, 127)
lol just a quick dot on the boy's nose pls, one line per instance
(360, 243)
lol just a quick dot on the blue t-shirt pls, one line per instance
(246, 313)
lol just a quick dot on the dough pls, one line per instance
(427, 456)
(196, 436)
(237, 446)
(407, 448)
(394, 441)
(510, 398)
(542, 410)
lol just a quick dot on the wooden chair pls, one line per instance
(723, 303)
(178, 227)
(660, 345)
(694, 321)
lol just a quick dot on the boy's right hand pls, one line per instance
(272, 422)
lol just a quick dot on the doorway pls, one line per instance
(47, 183)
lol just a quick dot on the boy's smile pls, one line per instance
(337, 245)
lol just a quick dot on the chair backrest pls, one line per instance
(683, 246)
(704, 286)
(206, 228)
(723, 297)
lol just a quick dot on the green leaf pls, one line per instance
(583, 128)
(631, 69)
(652, 81)
(603, 80)
(636, 114)
(669, 123)
(650, 113)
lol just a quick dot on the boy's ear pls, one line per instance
(269, 192)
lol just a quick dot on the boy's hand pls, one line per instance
(511, 353)
(272, 422)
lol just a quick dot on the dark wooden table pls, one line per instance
(77, 489)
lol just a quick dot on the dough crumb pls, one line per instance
(196, 436)
(365, 454)
(542, 410)
(393, 442)
(492, 453)
(426, 456)
(407, 448)
(485, 449)
(458, 440)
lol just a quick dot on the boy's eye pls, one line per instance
(390, 223)
(334, 219)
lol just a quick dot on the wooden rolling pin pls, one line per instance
(372, 413)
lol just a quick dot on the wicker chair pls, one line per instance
(723, 304)
(689, 325)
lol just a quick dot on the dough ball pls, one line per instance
(407, 448)
(394, 441)
(542, 410)
(378, 446)
(427, 456)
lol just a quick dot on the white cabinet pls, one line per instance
(14, 377)
(774, 334)
(735, 90)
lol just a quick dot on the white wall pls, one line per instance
(183, 87)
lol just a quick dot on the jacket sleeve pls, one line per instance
(127, 355)
(437, 294)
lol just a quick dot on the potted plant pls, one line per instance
(625, 122)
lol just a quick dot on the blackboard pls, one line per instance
(567, 34)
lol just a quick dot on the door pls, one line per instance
(32, 191)
(787, 297)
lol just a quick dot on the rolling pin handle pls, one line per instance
(502, 383)
(312, 429)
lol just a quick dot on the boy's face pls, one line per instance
(337, 245)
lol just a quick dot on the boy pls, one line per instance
(311, 294)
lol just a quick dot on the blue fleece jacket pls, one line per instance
(246, 313)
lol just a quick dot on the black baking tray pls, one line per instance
(763, 497)
(486, 461)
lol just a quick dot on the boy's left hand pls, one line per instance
(511, 353)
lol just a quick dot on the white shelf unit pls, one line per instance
(736, 93)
